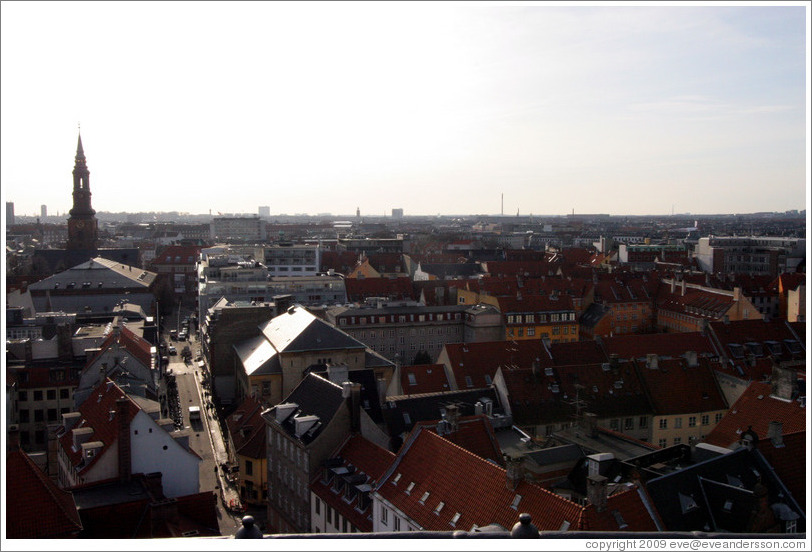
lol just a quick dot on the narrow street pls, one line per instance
(206, 439)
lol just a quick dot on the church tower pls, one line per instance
(83, 228)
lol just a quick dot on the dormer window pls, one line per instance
(736, 350)
(439, 508)
(455, 519)
(424, 497)
(468, 381)
(396, 479)
(621, 523)
(409, 488)
(412, 379)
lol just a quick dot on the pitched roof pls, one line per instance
(465, 484)
(36, 507)
(247, 429)
(477, 360)
(665, 345)
(755, 408)
(314, 396)
(99, 270)
(474, 433)
(138, 347)
(358, 289)
(367, 458)
(675, 387)
(95, 411)
(424, 378)
(789, 462)
(298, 330)
(535, 303)
(178, 254)
(696, 302)
(764, 340)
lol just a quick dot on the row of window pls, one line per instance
(401, 318)
(41, 414)
(704, 420)
(539, 318)
(628, 423)
(37, 395)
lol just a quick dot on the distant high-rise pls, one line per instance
(43, 211)
(264, 211)
(9, 213)
(397, 213)
(83, 228)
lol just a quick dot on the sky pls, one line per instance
(433, 108)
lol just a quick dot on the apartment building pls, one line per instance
(752, 255)
(288, 259)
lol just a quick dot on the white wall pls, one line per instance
(154, 450)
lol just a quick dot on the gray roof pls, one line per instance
(258, 356)
(109, 274)
(555, 455)
(299, 330)
(315, 396)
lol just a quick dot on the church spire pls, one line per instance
(83, 227)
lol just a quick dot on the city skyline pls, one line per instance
(317, 108)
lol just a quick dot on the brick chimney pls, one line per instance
(596, 491)
(514, 468)
(591, 424)
(124, 444)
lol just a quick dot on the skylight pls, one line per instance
(412, 379)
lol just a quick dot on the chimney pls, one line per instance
(453, 417)
(13, 441)
(52, 453)
(691, 358)
(596, 491)
(737, 294)
(775, 433)
(124, 452)
(513, 471)
(673, 285)
(682, 288)
(783, 382)
(591, 424)
(352, 394)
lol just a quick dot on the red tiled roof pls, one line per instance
(577, 352)
(696, 302)
(789, 462)
(525, 269)
(135, 345)
(535, 303)
(750, 411)
(35, 506)
(168, 255)
(676, 388)
(671, 344)
(359, 289)
(247, 429)
(340, 261)
(475, 434)
(367, 457)
(468, 485)
(428, 378)
(95, 411)
(42, 376)
(476, 360)
(629, 505)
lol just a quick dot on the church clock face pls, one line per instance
(80, 224)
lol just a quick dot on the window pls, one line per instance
(52, 414)
(51, 394)
(614, 424)
(22, 396)
(64, 393)
(397, 523)
(249, 467)
(468, 381)
(39, 415)
(24, 419)
(384, 515)
(663, 443)
(705, 419)
(329, 514)
(718, 417)
(663, 423)
(691, 421)
(677, 423)
(38, 395)
(677, 440)
(628, 424)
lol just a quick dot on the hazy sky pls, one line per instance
(310, 107)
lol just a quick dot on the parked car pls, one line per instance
(172, 350)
